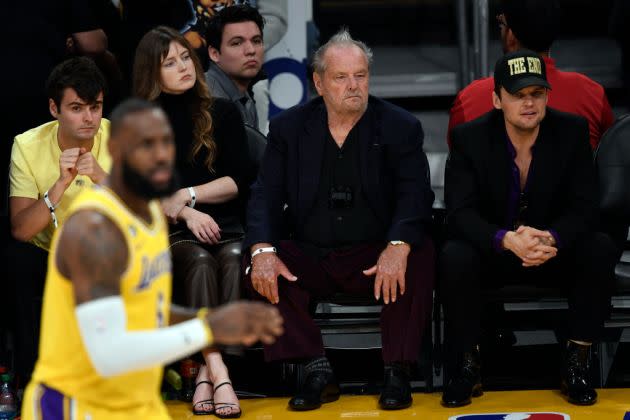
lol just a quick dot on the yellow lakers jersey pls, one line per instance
(145, 287)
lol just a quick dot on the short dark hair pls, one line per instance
(125, 108)
(232, 14)
(534, 23)
(80, 74)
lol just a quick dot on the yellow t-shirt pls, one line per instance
(35, 168)
(145, 287)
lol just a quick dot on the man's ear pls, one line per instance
(52, 108)
(317, 81)
(214, 54)
(496, 101)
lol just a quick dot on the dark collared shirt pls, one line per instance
(341, 215)
(221, 86)
(517, 204)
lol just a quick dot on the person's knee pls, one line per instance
(230, 255)
(192, 257)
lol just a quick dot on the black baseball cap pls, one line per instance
(519, 69)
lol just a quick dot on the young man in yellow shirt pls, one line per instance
(50, 165)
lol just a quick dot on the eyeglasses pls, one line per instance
(501, 21)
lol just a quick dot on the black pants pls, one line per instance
(26, 273)
(586, 272)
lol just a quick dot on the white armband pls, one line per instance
(51, 207)
(113, 350)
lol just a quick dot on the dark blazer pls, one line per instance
(561, 191)
(394, 171)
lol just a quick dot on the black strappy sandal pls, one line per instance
(221, 405)
(209, 401)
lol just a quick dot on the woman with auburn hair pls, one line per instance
(215, 169)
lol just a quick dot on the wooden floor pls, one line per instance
(510, 405)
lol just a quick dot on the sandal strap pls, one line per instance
(221, 384)
(203, 382)
(210, 401)
(226, 404)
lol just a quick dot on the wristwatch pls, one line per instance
(398, 243)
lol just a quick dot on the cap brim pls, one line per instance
(527, 82)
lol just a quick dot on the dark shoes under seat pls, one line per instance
(465, 380)
(576, 379)
(396, 393)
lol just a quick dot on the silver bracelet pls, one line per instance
(193, 197)
(51, 207)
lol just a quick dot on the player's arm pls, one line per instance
(94, 255)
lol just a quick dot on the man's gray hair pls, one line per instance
(341, 38)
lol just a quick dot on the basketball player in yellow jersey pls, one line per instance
(104, 335)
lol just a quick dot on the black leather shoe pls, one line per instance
(576, 379)
(396, 393)
(318, 388)
(465, 382)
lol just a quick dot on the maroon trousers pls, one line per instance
(402, 322)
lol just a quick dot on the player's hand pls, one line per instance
(266, 268)
(87, 165)
(203, 226)
(67, 165)
(390, 272)
(245, 323)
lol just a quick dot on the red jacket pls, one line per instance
(571, 92)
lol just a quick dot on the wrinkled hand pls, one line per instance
(245, 323)
(390, 272)
(68, 165)
(202, 226)
(266, 268)
(173, 205)
(88, 165)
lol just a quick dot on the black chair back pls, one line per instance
(612, 160)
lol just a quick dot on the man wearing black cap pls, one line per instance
(533, 25)
(521, 209)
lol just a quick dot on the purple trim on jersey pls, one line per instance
(51, 404)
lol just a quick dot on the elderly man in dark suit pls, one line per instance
(342, 203)
(522, 207)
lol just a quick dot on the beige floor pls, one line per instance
(613, 405)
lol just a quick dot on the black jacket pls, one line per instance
(561, 192)
(394, 172)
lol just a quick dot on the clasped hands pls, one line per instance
(534, 247)
(79, 161)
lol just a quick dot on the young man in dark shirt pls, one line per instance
(521, 208)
